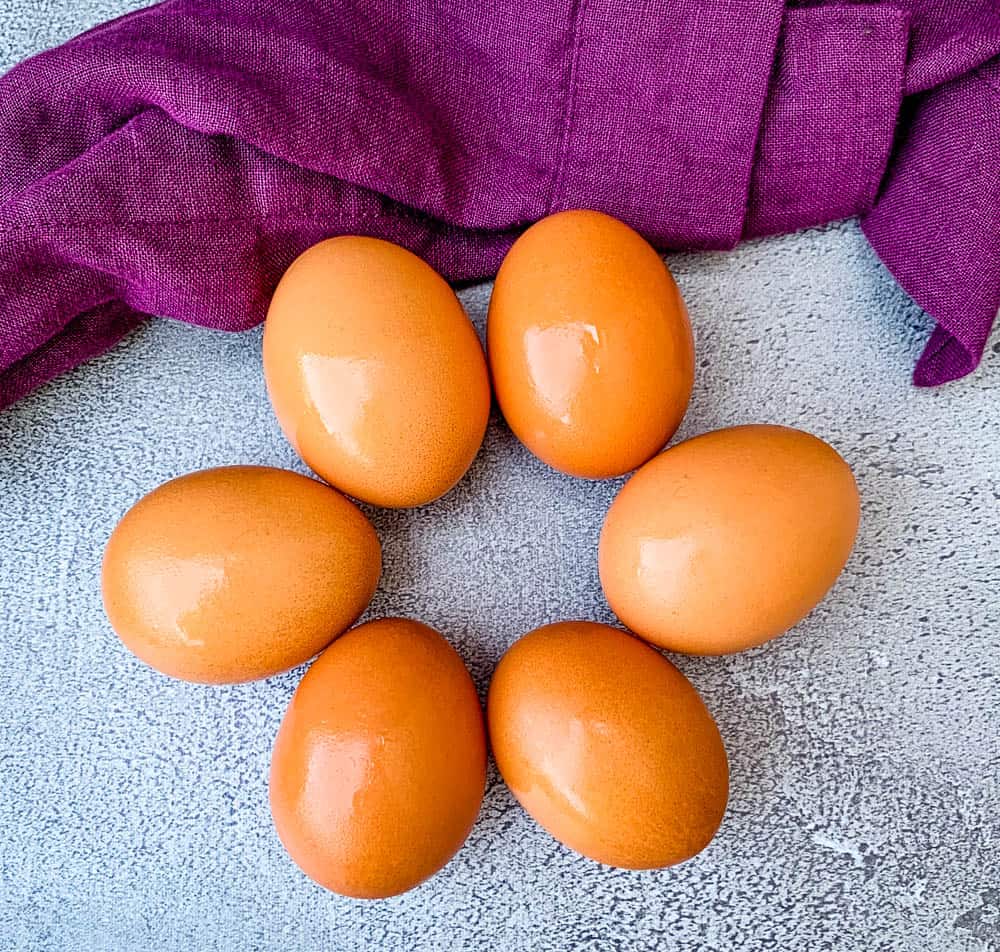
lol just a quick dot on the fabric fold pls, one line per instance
(176, 160)
(664, 113)
(811, 165)
(88, 335)
(937, 222)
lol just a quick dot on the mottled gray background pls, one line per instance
(865, 745)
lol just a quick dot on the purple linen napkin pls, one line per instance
(173, 162)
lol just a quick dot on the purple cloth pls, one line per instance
(174, 161)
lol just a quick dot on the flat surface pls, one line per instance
(864, 745)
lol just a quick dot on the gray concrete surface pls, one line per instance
(865, 745)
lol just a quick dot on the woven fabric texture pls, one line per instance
(173, 162)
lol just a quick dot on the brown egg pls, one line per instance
(238, 573)
(379, 767)
(728, 539)
(589, 345)
(375, 373)
(608, 746)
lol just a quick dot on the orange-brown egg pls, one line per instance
(375, 373)
(238, 573)
(728, 539)
(379, 767)
(608, 746)
(589, 345)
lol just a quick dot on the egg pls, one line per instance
(379, 767)
(237, 573)
(375, 373)
(589, 344)
(607, 745)
(728, 539)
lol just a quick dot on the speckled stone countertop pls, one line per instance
(864, 745)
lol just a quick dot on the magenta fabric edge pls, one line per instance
(952, 351)
(944, 358)
(88, 336)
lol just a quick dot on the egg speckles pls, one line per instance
(237, 573)
(379, 766)
(607, 745)
(375, 373)
(589, 345)
(728, 539)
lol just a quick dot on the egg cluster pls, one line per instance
(380, 383)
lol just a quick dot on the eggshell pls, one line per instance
(589, 345)
(238, 573)
(379, 766)
(608, 746)
(375, 373)
(728, 539)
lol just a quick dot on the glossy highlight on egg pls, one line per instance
(590, 346)
(607, 745)
(379, 767)
(728, 539)
(375, 372)
(237, 573)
